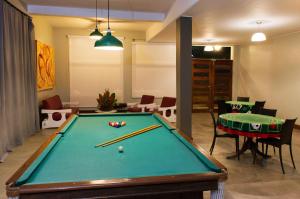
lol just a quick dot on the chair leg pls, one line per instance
(263, 148)
(212, 145)
(254, 152)
(280, 156)
(274, 150)
(267, 149)
(237, 147)
(292, 156)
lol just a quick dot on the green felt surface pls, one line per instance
(251, 118)
(240, 103)
(73, 157)
(251, 122)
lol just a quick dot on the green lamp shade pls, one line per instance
(96, 35)
(109, 42)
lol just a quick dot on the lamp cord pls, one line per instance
(108, 14)
(131, 9)
(96, 14)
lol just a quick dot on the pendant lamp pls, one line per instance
(96, 34)
(108, 42)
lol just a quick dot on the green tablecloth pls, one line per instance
(247, 122)
(240, 107)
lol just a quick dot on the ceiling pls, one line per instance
(89, 23)
(129, 5)
(234, 21)
(214, 21)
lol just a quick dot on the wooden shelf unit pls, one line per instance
(212, 81)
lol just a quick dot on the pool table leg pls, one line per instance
(219, 193)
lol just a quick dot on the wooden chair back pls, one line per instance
(258, 106)
(243, 99)
(269, 112)
(287, 131)
(222, 107)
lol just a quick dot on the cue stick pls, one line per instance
(128, 135)
(133, 133)
(144, 130)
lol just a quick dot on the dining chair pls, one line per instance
(258, 106)
(269, 112)
(219, 134)
(285, 139)
(243, 99)
(223, 107)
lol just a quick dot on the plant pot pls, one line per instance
(105, 108)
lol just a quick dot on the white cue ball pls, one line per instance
(120, 149)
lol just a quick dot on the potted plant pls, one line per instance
(106, 101)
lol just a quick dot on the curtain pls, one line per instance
(18, 94)
(153, 69)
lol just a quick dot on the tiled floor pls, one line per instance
(245, 181)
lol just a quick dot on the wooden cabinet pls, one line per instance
(212, 81)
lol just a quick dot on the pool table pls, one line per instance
(161, 163)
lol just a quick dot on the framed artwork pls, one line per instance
(45, 66)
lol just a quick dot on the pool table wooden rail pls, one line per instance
(10, 183)
(175, 186)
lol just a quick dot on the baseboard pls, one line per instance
(297, 126)
(204, 110)
(200, 110)
(3, 157)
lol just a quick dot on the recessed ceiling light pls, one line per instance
(258, 36)
(217, 47)
(208, 48)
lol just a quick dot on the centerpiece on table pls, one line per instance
(106, 101)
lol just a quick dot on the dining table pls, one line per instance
(250, 126)
(240, 106)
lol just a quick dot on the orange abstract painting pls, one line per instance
(45, 66)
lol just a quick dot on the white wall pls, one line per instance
(270, 71)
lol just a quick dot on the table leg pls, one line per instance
(261, 153)
(219, 193)
(249, 144)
